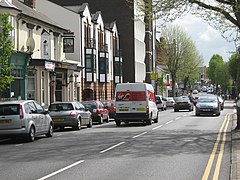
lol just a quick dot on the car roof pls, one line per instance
(16, 101)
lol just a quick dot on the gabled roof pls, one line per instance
(78, 8)
(29, 12)
(96, 16)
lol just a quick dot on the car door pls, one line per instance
(43, 120)
(35, 117)
(85, 114)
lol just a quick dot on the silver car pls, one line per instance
(24, 118)
(72, 114)
(208, 104)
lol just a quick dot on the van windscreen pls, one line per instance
(131, 96)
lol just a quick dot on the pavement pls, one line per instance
(235, 151)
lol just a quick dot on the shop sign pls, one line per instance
(68, 45)
(50, 66)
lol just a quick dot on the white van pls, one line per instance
(135, 102)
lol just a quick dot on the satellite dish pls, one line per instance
(30, 44)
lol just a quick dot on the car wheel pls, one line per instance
(118, 122)
(107, 120)
(90, 123)
(197, 114)
(162, 109)
(156, 120)
(78, 125)
(100, 120)
(31, 134)
(50, 131)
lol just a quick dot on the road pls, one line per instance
(180, 146)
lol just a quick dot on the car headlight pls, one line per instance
(197, 105)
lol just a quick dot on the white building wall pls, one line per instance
(67, 19)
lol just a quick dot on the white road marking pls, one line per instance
(139, 135)
(61, 170)
(59, 134)
(112, 147)
(184, 115)
(169, 122)
(157, 127)
(19, 144)
(178, 118)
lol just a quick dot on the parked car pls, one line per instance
(195, 91)
(109, 104)
(182, 103)
(72, 114)
(161, 104)
(24, 118)
(208, 104)
(169, 101)
(99, 112)
(221, 100)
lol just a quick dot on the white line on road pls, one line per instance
(112, 147)
(178, 118)
(19, 144)
(157, 127)
(169, 122)
(184, 115)
(139, 135)
(61, 170)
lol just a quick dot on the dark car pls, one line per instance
(99, 112)
(208, 105)
(72, 114)
(182, 103)
(109, 104)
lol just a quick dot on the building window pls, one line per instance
(46, 45)
(31, 85)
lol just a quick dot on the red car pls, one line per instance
(109, 104)
(99, 112)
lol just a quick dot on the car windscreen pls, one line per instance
(207, 99)
(90, 105)
(9, 109)
(61, 107)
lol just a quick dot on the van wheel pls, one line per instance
(31, 134)
(156, 120)
(118, 122)
(149, 121)
(50, 131)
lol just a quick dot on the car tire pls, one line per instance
(156, 120)
(50, 130)
(107, 120)
(197, 114)
(100, 120)
(31, 134)
(90, 123)
(118, 122)
(78, 125)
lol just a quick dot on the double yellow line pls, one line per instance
(222, 132)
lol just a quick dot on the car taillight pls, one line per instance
(21, 112)
(147, 108)
(73, 113)
(114, 108)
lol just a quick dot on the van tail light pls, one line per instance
(21, 112)
(114, 108)
(73, 113)
(147, 109)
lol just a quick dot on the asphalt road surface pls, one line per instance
(180, 146)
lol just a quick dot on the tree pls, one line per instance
(180, 52)
(6, 49)
(233, 62)
(189, 71)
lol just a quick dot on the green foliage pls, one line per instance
(215, 60)
(233, 65)
(6, 49)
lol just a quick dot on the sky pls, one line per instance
(207, 39)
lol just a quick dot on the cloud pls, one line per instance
(207, 39)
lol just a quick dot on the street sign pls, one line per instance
(154, 76)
